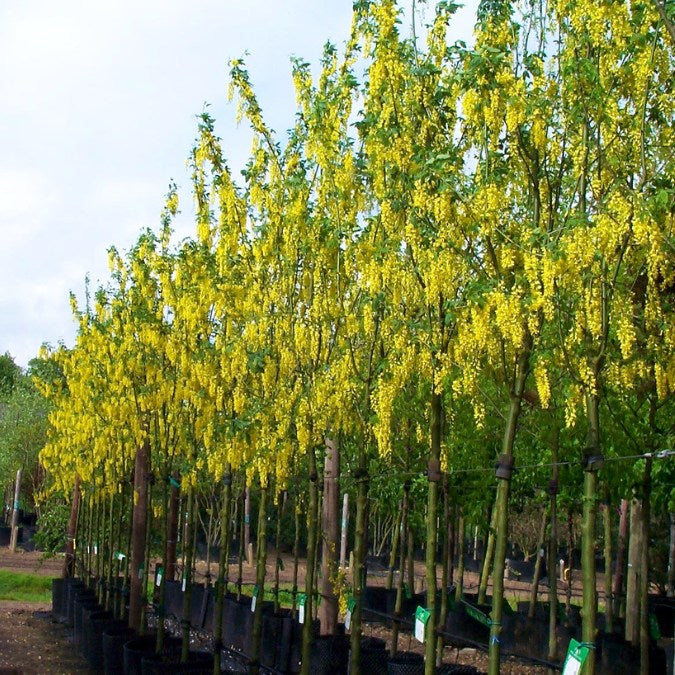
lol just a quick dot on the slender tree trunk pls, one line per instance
(261, 563)
(433, 476)
(670, 586)
(172, 528)
(451, 544)
(223, 568)
(607, 530)
(343, 536)
(110, 552)
(311, 561)
(296, 552)
(69, 559)
(247, 526)
(187, 573)
(241, 552)
(644, 568)
(328, 609)
(15, 513)
(277, 548)
(396, 625)
(635, 543)
(588, 526)
(161, 591)
(534, 591)
(553, 548)
(618, 583)
(461, 543)
(358, 576)
(395, 537)
(502, 506)
(411, 556)
(487, 559)
(138, 535)
(444, 571)
(146, 562)
(568, 589)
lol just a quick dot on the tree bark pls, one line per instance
(487, 559)
(607, 529)
(69, 560)
(309, 574)
(502, 506)
(15, 513)
(618, 582)
(138, 535)
(172, 529)
(635, 543)
(399, 582)
(534, 591)
(644, 568)
(328, 609)
(343, 525)
(223, 568)
(433, 476)
(254, 666)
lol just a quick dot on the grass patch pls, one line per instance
(25, 587)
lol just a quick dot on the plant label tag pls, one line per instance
(140, 572)
(95, 549)
(254, 598)
(421, 617)
(577, 653)
(158, 576)
(302, 601)
(351, 603)
(184, 584)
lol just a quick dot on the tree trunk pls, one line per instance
(261, 553)
(223, 569)
(444, 570)
(670, 586)
(502, 506)
(69, 560)
(172, 528)
(644, 569)
(296, 552)
(358, 580)
(281, 499)
(487, 559)
(399, 582)
(15, 513)
(589, 592)
(553, 548)
(138, 535)
(461, 542)
(534, 592)
(187, 573)
(328, 609)
(309, 575)
(247, 526)
(618, 583)
(607, 529)
(433, 477)
(395, 538)
(343, 536)
(635, 543)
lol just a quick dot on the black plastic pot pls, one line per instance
(276, 639)
(136, 648)
(58, 591)
(296, 642)
(330, 655)
(80, 605)
(87, 636)
(173, 599)
(112, 645)
(406, 663)
(169, 662)
(5, 535)
(663, 609)
(73, 590)
(456, 669)
(91, 646)
(463, 630)
(374, 656)
(378, 602)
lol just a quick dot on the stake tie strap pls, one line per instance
(588, 645)
(592, 460)
(504, 467)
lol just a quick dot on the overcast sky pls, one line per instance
(97, 113)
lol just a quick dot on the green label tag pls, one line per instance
(119, 556)
(254, 598)
(654, 630)
(141, 570)
(159, 573)
(351, 603)
(421, 618)
(302, 599)
(476, 614)
(174, 483)
(577, 653)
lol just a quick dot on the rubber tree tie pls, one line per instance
(433, 471)
(592, 460)
(227, 479)
(504, 467)
(588, 645)
(553, 487)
